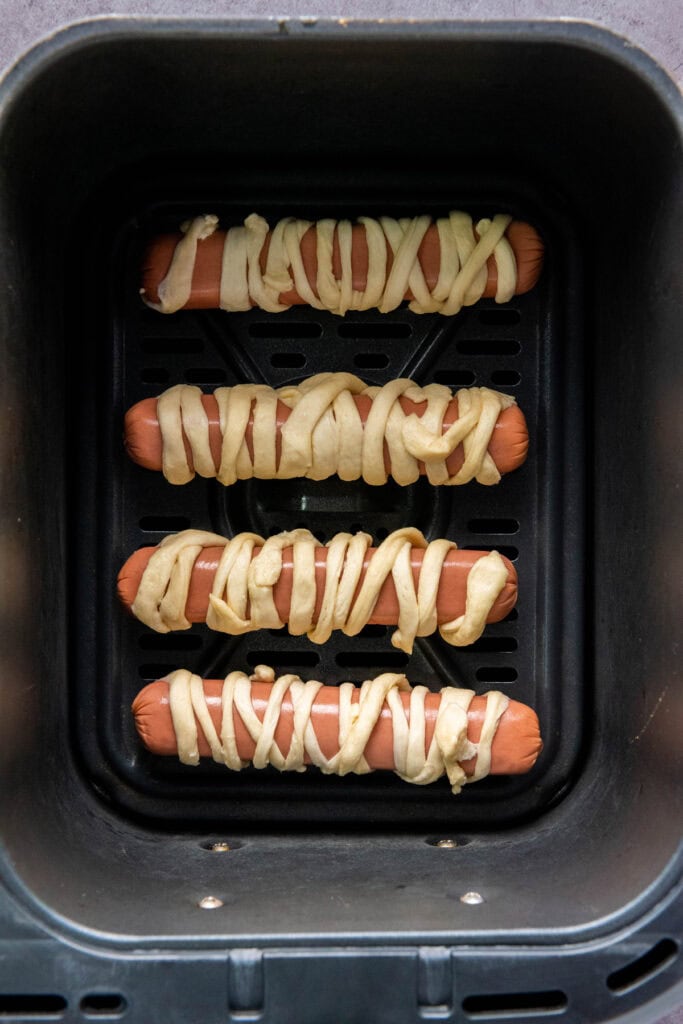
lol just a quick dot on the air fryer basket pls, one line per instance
(336, 900)
(522, 517)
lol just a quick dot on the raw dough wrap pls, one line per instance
(449, 744)
(241, 598)
(324, 434)
(461, 281)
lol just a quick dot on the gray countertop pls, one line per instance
(656, 27)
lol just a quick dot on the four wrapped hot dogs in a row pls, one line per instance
(331, 424)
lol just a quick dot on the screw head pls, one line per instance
(210, 903)
(219, 847)
(472, 898)
(446, 844)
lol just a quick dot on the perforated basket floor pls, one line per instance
(524, 348)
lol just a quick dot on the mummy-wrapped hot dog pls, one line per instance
(329, 424)
(338, 266)
(246, 583)
(384, 724)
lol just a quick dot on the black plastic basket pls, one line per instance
(337, 900)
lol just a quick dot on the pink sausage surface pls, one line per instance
(450, 602)
(205, 292)
(515, 747)
(508, 446)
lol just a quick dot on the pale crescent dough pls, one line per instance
(241, 598)
(449, 744)
(462, 273)
(324, 434)
(175, 289)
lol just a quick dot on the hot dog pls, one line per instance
(403, 582)
(174, 715)
(476, 434)
(339, 266)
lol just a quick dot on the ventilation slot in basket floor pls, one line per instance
(380, 660)
(489, 347)
(171, 346)
(455, 378)
(491, 644)
(103, 1004)
(499, 317)
(384, 329)
(285, 329)
(494, 674)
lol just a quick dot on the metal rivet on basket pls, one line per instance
(210, 903)
(472, 898)
(219, 847)
(446, 844)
